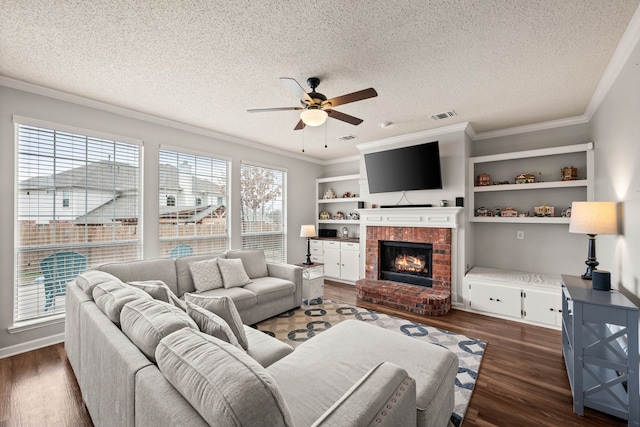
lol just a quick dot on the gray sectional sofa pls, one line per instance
(354, 374)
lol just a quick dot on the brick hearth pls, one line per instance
(433, 301)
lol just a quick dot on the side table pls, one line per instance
(312, 283)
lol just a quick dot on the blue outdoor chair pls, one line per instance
(180, 251)
(58, 269)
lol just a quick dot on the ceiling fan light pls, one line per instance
(313, 117)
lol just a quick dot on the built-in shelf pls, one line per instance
(347, 205)
(340, 200)
(338, 221)
(546, 164)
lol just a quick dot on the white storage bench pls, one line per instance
(526, 296)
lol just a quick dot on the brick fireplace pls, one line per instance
(409, 225)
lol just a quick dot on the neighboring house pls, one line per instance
(100, 193)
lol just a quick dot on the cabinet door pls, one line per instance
(502, 300)
(542, 306)
(332, 263)
(349, 265)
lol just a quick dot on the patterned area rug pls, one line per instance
(299, 325)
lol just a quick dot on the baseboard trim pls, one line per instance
(31, 345)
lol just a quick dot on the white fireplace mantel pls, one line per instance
(436, 217)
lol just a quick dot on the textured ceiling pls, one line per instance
(497, 63)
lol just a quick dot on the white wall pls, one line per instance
(616, 132)
(300, 185)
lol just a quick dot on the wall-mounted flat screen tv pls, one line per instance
(404, 169)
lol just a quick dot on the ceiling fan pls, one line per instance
(316, 107)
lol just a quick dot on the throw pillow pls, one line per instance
(212, 324)
(235, 385)
(254, 261)
(206, 275)
(146, 322)
(110, 297)
(233, 273)
(224, 307)
(156, 288)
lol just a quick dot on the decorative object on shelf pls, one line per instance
(346, 195)
(568, 173)
(525, 178)
(325, 215)
(509, 212)
(483, 180)
(497, 210)
(443, 203)
(566, 213)
(539, 176)
(339, 216)
(345, 233)
(308, 231)
(353, 216)
(593, 218)
(329, 194)
(354, 195)
(500, 182)
(482, 211)
(524, 214)
(544, 210)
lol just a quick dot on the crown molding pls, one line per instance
(126, 112)
(410, 137)
(570, 121)
(627, 44)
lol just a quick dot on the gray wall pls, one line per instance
(300, 185)
(616, 132)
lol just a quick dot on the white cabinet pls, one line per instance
(349, 261)
(542, 306)
(548, 189)
(503, 300)
(341, 259)
(345, 189)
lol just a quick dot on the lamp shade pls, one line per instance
(313, 117)
(594, 218)
(308, 231)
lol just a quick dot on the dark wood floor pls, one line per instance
(522, 380)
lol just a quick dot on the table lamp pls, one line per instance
(593, 218)
(308, 231)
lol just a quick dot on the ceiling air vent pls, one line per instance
(444, 115)
(347, 137)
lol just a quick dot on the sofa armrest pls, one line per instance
(386, 395)
(287, 272)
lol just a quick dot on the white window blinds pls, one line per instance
(263, 213)
(192, 204)
(78, 206)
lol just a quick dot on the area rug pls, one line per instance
(297, 326)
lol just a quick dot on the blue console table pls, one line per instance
(602, 375)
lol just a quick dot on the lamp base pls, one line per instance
(591, 261)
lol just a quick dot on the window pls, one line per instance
(262, 190)
(57, 240)
(196, 220)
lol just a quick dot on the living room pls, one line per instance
(608, 118)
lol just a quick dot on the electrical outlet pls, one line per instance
(519, 234)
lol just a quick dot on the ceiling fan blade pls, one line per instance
(351, 97)
(344, 117)
(300, 125)
(260, 110)
(295, 87)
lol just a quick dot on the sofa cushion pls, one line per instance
(224, 307)
(271, 288)
(146, 322)
(90, 279)
(111, 296)
(254, 261)
(242, 298)
(233, 273)
(212, 324)
(264, 348)
(206, 275)
(233, 391)
(158, 269)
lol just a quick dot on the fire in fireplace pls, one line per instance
(406, 262)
